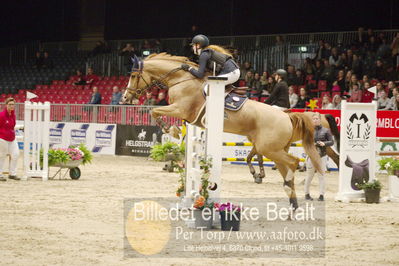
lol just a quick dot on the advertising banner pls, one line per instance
(137, 140)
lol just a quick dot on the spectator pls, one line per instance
(91, 78)
(128, 52)
(364, 80)
(391, 86)
(395, 50)
(357, 66)
(149, 100)
(299, 78)
(293, 97)
(361, 36)
(372, 45)
(38, 60)
(162, 99)
(328, 72)
(116, 96)
(380, 89)
(318, 69)
(334, 58)
(245, 69)
(263, 80)
(269, 86)
(95, 96)
(391, 73)
(391, 103)
(341, 81)
(248, 78)
(302, 99)
(384, 51)
(291, 76)
(349, 58)
(396, 103)
(78, 78)
(382, 101)
(354, 80)
(327, 51)
(336, 102)
(367, 96)
(325, 103)
(98, 49)
(320, 52)
(47, 62)
(343, 62)
(308, 67)
(335, 87)
(356, 93)
(256, 85)
(8, 143)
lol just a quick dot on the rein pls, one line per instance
(157, 83)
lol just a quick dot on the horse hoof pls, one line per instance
(258, 180)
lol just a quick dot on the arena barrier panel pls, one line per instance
(36, 140)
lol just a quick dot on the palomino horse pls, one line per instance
(270, 130)
(327, 121)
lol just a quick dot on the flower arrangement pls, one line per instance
(390, 164)
(228, 207)
(164, 152)
(374, 185)
(73, 153)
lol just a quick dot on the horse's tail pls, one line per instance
(304, 128)
(334, 128)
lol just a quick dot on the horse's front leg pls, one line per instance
(171, 111)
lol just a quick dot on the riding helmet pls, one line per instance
(201, 40)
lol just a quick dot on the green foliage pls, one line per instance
(161, 152)
(57, 156)
(389, 163)
(205, 165)
(375, 184)
(87, 155)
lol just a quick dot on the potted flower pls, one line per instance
(169, 151)
(371, 190)
(230, 216)
(390, 164)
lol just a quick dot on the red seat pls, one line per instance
(322, 85)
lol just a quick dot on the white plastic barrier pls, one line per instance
(36, 139)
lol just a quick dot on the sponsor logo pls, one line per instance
(103, 138)
(78, 136)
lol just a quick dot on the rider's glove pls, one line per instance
(185, 67)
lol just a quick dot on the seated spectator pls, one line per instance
(336, 102)
(327, 73)
(291, 76)
(38, 60)
(335, 87)
(379, 71)
(256, 85)
(343, 62)
(269, 86)
(95, 97)
(299, 78)
(356, 94)
(364, 80)
(391, 86)
(47, 62)
(248, 78)
(367, 96)
(116, 96)
(91, 78)
(380, 89)
(293, 97)
(79, 78)
(357, 65)
(341, 82)
(162, 99)
(391, 103)
(246, 67)
(308, 67)
(319, 67)
(354, 80)
(326, 104)
(128, 52)
(263, 81)
(396, 103)
(391, 73)
(149, 100)
(383, 100)
(334, 57)
(302, 99)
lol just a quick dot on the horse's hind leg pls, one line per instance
(286, 164)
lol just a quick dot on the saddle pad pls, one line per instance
(234, 101)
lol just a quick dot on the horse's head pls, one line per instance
(137, 82)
